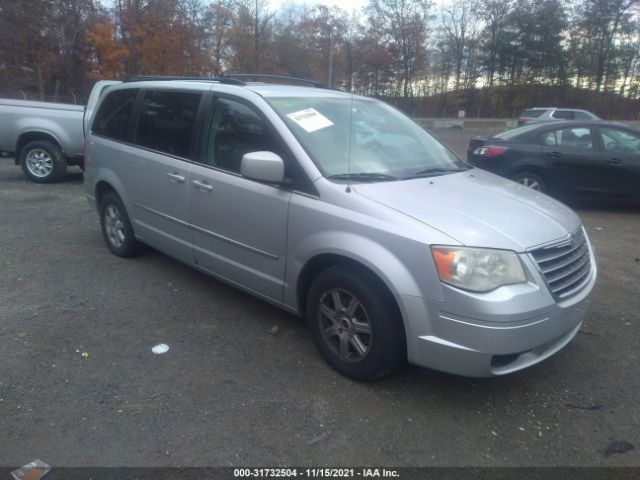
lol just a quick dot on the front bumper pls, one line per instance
(500, 332)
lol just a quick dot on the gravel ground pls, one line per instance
(233, 391)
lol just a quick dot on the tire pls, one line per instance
(116, 227)
(531, 180)
(43, 161)
(365, 345)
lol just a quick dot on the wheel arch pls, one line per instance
(33, 136)
(108, 182)
(102, 188)
(321, 262)
(317, 264)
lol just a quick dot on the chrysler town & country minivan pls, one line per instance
(341, 209)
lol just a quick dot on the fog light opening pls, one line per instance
(500, 361)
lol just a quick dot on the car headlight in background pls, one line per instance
(477, 269)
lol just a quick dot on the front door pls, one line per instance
(239, 225)
(575, 160)
(622, 159)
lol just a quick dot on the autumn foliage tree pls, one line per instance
(489, 57)
(109, 54)
(44, 49)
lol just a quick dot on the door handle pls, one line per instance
(204, 186)
(176, 177)
(614, 161)
(554, 154)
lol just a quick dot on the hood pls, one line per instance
(477, 209)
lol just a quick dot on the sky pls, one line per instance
(347, 5)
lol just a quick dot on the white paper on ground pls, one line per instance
(310, 119)
(160, 349)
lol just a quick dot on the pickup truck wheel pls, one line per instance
(43, 161)
(116, 227)
(354, 325)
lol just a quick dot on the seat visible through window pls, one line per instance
(236, 130)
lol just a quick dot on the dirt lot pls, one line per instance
(229, 392)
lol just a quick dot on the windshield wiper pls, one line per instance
(432, 172)
(363, 177)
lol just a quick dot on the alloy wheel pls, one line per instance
(114, 226)
(39, 163)
(345, 325)
(530, 183)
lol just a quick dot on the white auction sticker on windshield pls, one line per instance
(310, 119)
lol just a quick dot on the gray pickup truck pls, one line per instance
(44, 138)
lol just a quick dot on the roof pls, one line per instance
(562, 124)
(236, 82)
(271, 90)
(560, 108)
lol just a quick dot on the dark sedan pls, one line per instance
(576, 159)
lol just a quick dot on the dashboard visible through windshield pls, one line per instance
(364, 140)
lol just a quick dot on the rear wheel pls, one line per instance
(354, 323)
(43, 161)
(116, 227)
(530, 180)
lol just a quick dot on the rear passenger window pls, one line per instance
(167, 120)
(235, 130)
(112, 118)
(569, 137)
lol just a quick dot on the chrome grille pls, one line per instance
(565, 265)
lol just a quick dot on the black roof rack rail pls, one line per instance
(258, 76)
(224, 79)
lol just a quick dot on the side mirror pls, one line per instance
(262, 166)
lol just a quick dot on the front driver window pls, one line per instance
(235, 130)
(620, 141)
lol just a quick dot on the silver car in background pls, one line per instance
(341, 209)
(554, 114)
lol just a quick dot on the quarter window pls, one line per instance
(166, 122)
(532, 113)
(235, 130)
(112, 118)
(583, 116)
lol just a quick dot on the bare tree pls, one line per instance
(460, 26)
(403, 23)
(494, 14)
(256, 14)
(219, 21)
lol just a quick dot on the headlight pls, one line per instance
(477, 269)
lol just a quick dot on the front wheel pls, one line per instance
(354, 323)
(43, 161)
(116, 227)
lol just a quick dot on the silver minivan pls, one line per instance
(341, 209)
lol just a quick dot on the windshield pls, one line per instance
(364, 139)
